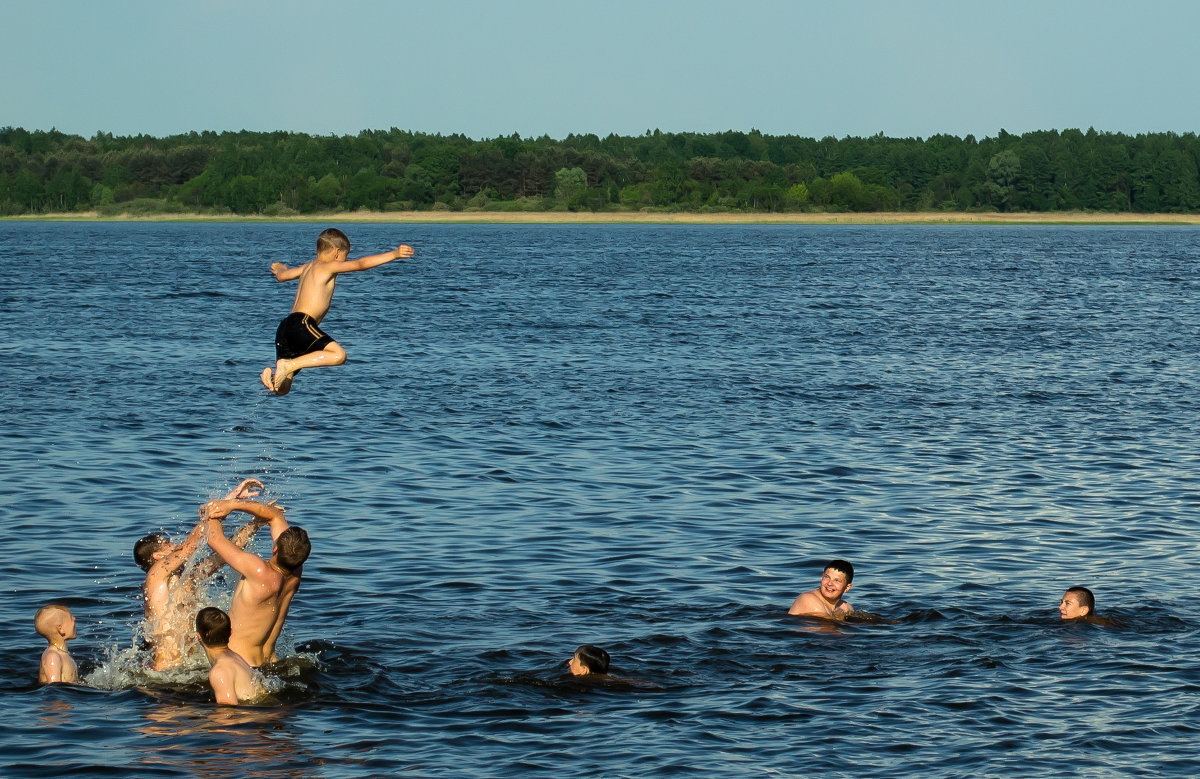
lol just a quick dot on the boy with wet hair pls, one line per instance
(826, 600)
(232, 679)
(168, 599)
(299, 342)
(588, 660)
(262, 598)
(1077, 603)
(56, 624)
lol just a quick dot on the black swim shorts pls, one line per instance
(299, 334)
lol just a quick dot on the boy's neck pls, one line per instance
(215, 652)
(59, 644)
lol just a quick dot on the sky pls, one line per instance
(904, 68)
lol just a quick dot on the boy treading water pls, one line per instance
(826, 600)
(233, 680)
(56, 624)
(589, 660)
(299, 342)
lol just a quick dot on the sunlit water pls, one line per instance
(645, 438)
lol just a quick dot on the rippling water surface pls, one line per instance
(645, 438)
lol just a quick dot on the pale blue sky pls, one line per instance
(554, 67)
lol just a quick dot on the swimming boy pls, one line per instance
(299, 342)
(262, 598)
(588, 660)
(1077, 603)
(826, 600)
(233, 680)
(167, 600)
(55, 623)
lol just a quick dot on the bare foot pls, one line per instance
(283, 377)
(267, 380)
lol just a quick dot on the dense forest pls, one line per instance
(282, 173)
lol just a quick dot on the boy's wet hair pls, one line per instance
(1085, 598)
(841, 566)
(593, 658)
(332, 238)
(144, 549)
(48, 618)
(213, 626)
(292, 548)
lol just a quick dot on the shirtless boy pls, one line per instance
(55, 623)
(233, 680)
(299, 342)
(167, 599)
(826, 600)
(263, 596)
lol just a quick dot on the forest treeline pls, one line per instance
(284, 173)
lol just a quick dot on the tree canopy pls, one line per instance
(283, 173)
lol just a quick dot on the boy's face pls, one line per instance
(833, 584)
(1069, 608)
(577, 668)
(66, 626)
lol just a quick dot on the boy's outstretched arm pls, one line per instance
(284, 273)
(403, 251)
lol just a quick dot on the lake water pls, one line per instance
(646, 438)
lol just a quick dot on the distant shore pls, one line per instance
(633, 217)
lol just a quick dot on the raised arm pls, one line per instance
(284, 273)
(403, 251)
(173, 561)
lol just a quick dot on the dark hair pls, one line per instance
(213, 626)
(593, 658)
(292, 548)
(843, 567)
(1085, 598)
(144, 549)
(332, 238)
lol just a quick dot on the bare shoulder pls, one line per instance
(806, 603)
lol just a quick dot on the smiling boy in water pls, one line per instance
(299, 342)
(826, 600)
(56, 624)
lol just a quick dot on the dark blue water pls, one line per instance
(645, 438)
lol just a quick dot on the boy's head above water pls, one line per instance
(836, 578)
(55, 621)
(145, 550)
(213, 627)
(588, 659)
(1077, 602)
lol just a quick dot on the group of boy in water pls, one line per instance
(236, 643)
(241, 641)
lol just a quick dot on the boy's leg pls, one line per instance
(285, 370)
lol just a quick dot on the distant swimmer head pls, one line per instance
(1077, 602)
(213, 626)
(292, 548)
(836, 579)
(146, 548)
(332, 239)
(588, 659)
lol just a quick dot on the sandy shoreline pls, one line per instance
(562, 217)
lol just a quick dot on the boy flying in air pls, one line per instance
(299, 342)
